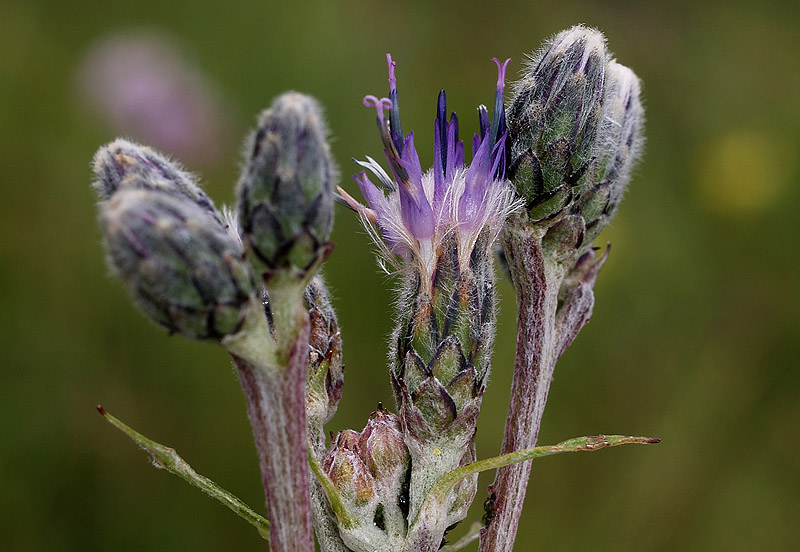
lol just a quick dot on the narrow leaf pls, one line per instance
(578, 444)
(166, 458)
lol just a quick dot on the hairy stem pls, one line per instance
(537, 284)
(276, 404)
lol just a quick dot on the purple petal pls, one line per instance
(416, 211)
(459, 156)
(499, 158)
(452, 138)
(476, 144)
(470, 204)
(483, 121)
(374, 197)
(409, 160)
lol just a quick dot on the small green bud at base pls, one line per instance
(347, 471)
(285, 193)
(181, 266)
(325, 367)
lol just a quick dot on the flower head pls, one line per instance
(414, 211)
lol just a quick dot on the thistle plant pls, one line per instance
(545, 177)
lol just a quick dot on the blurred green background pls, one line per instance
(694, 337)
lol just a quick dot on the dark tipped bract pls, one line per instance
(123, 165)
(575, 130)
(185, 271)
(285, 192)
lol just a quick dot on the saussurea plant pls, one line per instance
(543, 180)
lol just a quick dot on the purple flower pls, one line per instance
(415, 211)
(144, 86)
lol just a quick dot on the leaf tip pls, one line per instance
(101, 410)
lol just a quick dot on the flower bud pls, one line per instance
(184, 270)
(554, 119)
(285, 192)
(347, 470)
(385, 453)
(621, 143)
(325, 368)
(127, 165)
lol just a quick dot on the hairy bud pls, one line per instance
(285, 192)
(325, 367)
(554, 119)
(124, 165)
(181, 266)
(348, 472)
(621, 144)
(385, 452)
(575, 126)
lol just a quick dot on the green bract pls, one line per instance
(182, 267)
(285, 192)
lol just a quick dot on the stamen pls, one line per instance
(355, 205)
(380, 104)
(390, 148)
(498, 114)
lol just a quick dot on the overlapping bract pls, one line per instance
(182, 267)
(285, 193)
(575, 128)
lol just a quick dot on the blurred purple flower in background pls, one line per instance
(145, 87)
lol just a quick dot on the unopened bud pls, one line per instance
(385, 452)
(347, 470)
(124, 165)
(182, 267)
(621, 143)
(285, 193)
(554, 120)
(325, 368)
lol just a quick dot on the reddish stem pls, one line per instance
(276, 406)
(533, 371)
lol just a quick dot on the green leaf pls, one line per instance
(166, 458)
(440, 491)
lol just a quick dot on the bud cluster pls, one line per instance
(547, 180)
(370, 470)
(187, 267)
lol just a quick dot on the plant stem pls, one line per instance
(537, 288)
(276, 405)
